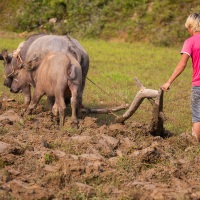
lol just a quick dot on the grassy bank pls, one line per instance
(158, 22)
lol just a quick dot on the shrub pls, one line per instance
(159, 22)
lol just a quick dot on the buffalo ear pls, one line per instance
(5, 56)
(4, 53)
(1, 57)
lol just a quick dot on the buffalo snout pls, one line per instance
(15, 90)
(11, 90)
(8, 82)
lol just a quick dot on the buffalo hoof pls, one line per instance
(55, 110)
(62, 121)
(28, 112)
(26, 103)
(23, 112)
(74, 123)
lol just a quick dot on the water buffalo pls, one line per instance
(38, 45)
(48, 80)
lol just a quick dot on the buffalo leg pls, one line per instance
(55, 110)
(37, 95)
(74, 119)
(60, 106)
(51, 101)
(79, 105)
(27, 94)
(85, 67)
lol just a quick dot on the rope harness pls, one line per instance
(103, 90)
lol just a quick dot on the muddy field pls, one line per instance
(95, 161)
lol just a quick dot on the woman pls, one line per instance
(191, 48)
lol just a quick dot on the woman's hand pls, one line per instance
(166, 86)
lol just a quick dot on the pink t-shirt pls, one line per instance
(192, 47)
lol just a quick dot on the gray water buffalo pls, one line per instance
(48, 80)
(35, 47)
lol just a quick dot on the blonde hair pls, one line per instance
(193, 21)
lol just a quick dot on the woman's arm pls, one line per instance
(178, 70)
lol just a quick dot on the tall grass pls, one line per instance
(113, 66)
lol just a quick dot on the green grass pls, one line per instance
(113, 66)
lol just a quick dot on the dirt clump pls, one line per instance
(38, 160)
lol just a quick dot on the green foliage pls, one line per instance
(48, 158)
(155, 21)
(8, 10)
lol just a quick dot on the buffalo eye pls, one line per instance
(15, 79)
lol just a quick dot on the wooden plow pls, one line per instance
(156, 126)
